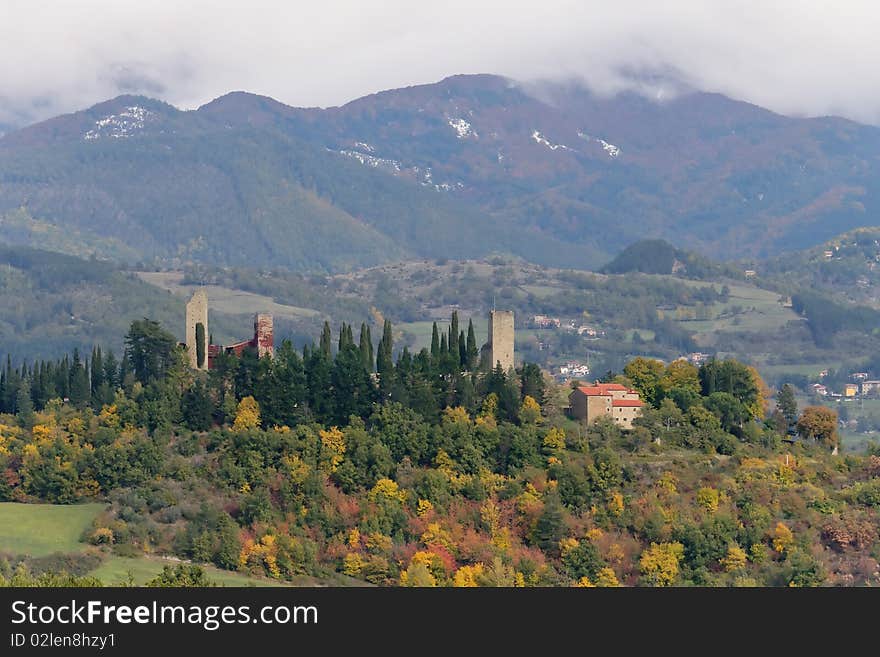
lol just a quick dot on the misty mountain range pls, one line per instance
(468, 166)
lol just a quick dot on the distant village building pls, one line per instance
(828, 254)
(612, 400)
(858, 376)
(263, 341)
(819, 389)
(869, 387)
(574, 370)
(697, 358)
(750, 273)
(545, 322)
(850, 390)
(589, 331)
(823, 374)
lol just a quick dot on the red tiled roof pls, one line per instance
(591, 391)
(604, 389)
(627, 402)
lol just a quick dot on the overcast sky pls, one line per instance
(800, 57)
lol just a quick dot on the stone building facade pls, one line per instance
(612, 400)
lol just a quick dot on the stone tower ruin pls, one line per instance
(501, 336)
(264, 335)
(197, 313)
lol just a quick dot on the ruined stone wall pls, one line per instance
(264, 335)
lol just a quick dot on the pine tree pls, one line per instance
(532, 382)
(462, 351)
(197, 407)
(550, 528)
(111, 371)
(317, 366)
(787, 404)
(12, 380)
(24, 406)
(79, 382)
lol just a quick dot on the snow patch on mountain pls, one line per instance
(424, 176)
(120, 126)
(462, 128)
(373, 161)
(364, 146)
(611, 149)
(538, 137)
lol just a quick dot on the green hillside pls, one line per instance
(37, 530)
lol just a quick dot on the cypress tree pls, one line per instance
(472, 353)
(325, 340)
(444, 346)
(340, 341)
(200, 345)
(435, 342)
(453, 335)
(96, 370)
(111, 371)
(462, 351)
(11, 381)
(384, 363)
(79, 382)
(62, 378)
(366, 347)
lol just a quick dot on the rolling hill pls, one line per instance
(462, 168)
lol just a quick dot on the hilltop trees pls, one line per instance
(149, 350)
(819, 423)
(786, 405)
(449, 477)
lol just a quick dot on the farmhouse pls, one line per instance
(613, 400)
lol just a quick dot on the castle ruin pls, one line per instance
(197, 337)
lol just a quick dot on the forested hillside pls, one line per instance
(427, 470)
(466, 167)
(52, 303)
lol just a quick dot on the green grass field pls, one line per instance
(116, 570)
(760, 310)
(421, 331)
(37, 530)
(226, 300)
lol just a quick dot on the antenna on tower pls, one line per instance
(493, 303)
